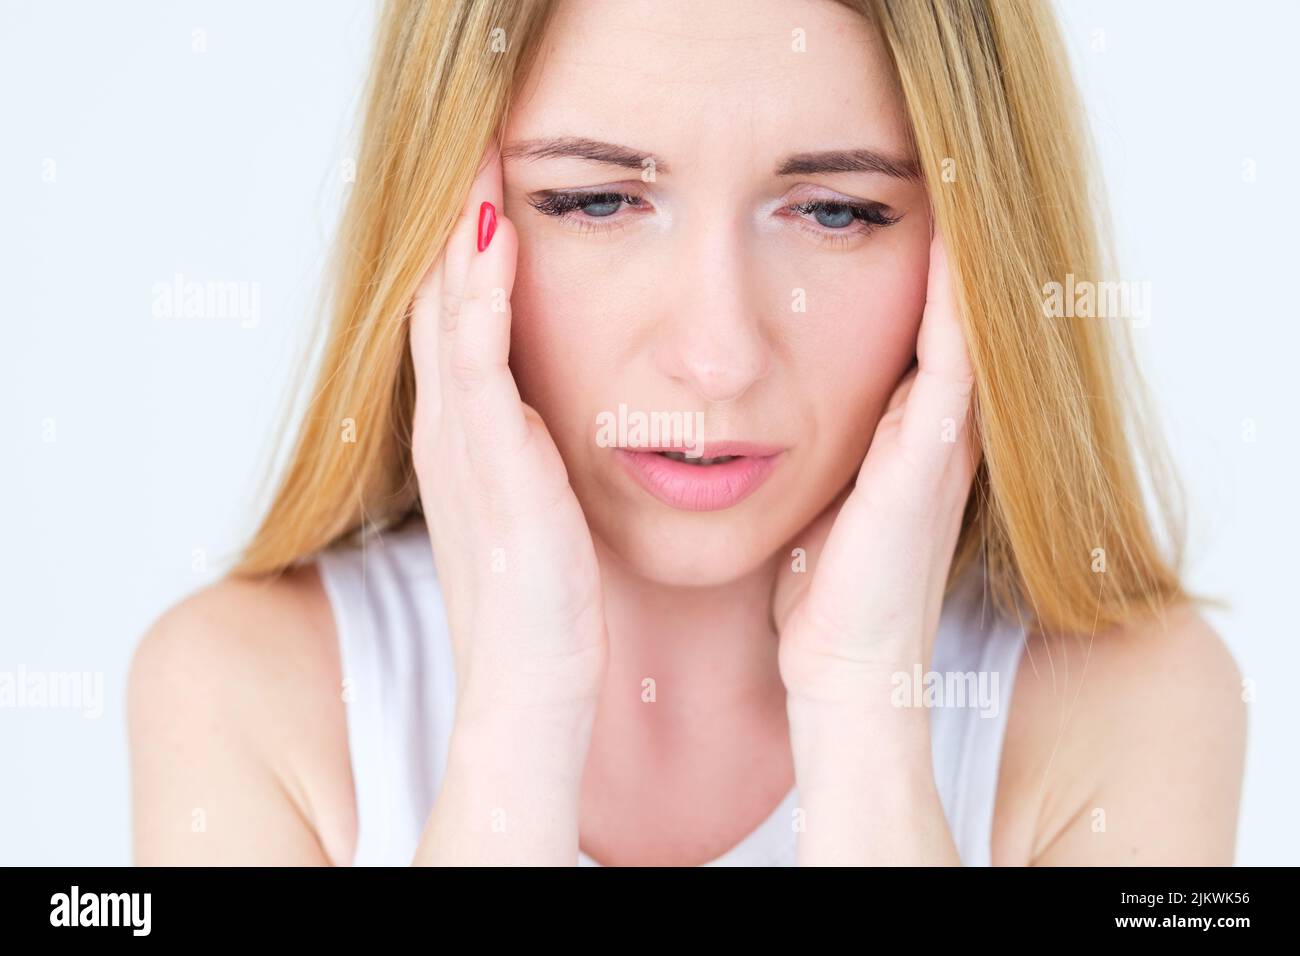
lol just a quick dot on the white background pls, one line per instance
(228, 165)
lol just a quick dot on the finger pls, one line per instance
(935, 417)
(424, 342)
(435, 304)
(898, 400)
(462, 247)
(486, 393)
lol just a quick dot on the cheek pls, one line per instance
(562, 347)
(860, 335)
(578, 311)
(538, 357)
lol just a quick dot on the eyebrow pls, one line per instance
(847, 161)
(582, 148)
(798, 164)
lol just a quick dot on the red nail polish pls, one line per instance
(487, 224)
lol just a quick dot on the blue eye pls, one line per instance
(841, 215)
(834, 215)
(828, 219)
(602, 208)
(593, 205)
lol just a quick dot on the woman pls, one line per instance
(703, 348)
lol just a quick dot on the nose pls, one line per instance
(713, 341)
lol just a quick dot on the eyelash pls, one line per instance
(562, 205)
(867, 218)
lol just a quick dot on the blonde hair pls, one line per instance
(1058, 514)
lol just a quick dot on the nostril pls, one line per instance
(717, 356)
(722, 382)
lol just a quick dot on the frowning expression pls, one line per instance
(721, 224)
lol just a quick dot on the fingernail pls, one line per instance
(487, 224)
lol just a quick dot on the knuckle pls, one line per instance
(467, 372)
(963, 384)
(449, 309)
(487, 302)
(475, 304)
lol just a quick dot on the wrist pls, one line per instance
(866, 783)
(511, 737)
(878, 690)
(511, 791)
(860, 742)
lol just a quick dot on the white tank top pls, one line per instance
(399, 684)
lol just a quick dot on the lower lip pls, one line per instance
(698, 487)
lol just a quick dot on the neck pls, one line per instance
(714, 745)
(707, 649)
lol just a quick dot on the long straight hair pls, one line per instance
(1074, 507)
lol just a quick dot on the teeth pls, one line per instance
(680, 456)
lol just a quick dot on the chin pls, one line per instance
(689, 549)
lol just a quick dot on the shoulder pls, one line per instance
(1125, 747)
(234, 621)
(233, 699)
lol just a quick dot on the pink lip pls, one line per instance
(702, 487)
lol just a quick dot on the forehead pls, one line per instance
(683, 77)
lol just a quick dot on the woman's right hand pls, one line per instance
(516, 563)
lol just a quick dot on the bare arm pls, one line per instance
(1132, 746)
(237, 733)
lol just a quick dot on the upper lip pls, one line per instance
(716, 449)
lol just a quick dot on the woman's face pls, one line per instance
(751, 256)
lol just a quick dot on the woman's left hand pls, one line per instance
(877, 560)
